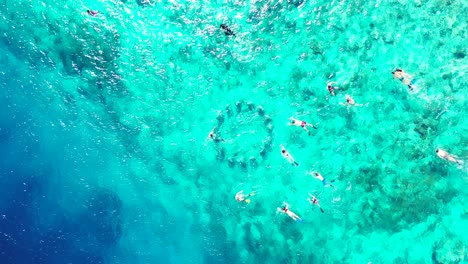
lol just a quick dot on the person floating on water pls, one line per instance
(350, 101)
(227, 31)
(242, 197)
(92, 13)
(313, 200)
(331, 89)
(288, 156)
(213, 136)
(319, 177)
(404, 77)
(285, 210)
(303, 124)
(447, 156)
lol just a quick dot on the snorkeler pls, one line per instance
(447, 156)
(331, 89)
(285, 210)
(313, 200)
(404, 77)
(92, 13)
(319, 177)
(241, 197)
(227, 31)
(303, 124)
(288, 156)
(213, 136)
(350, 101)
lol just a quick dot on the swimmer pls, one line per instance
(285, 210)
(288, 156)
(313, 200)
(319, 177)
(350, 101)
(331, 89)
(404, 77)
(227, 31)
(241, 197)
(447, 156)
(92, 13)
(214, 137)
(303, 124)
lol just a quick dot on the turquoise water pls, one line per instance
(104, 123)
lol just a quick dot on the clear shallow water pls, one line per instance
(104, 156)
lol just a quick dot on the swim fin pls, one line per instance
(247, 201)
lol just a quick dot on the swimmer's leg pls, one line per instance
(412, 85)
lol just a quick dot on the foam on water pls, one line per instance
(104, 123)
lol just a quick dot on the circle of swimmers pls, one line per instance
(406, 78)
